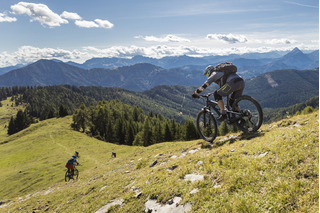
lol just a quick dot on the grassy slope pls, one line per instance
(236, 179)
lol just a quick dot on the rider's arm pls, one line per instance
(214, 77)
(200, 89)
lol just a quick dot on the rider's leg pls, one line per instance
(221, 105)
(220, 102)
(231, 101)
(72, 170)
(68, 167)
(235, 87)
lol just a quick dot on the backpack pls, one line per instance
(70, 161)
(228, 68)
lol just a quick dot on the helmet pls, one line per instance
(208, 70)
(77, 154)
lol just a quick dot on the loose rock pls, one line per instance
(173, 206)
(193, 177)
(153, 163)
(105, 208)
(261, 155)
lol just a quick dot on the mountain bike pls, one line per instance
(246, 113)
(69, 175)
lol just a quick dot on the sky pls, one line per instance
(78, 30)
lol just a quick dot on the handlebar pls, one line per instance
(206, 95)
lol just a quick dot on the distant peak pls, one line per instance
(296, 49)
(295, 52)
(45, 61)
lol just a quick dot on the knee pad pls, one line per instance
(217, 97)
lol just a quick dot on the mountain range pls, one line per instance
(295, 59)
(144, 76)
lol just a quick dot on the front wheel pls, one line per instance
(67, 176)
(207, 125)
(251, 117)
(75, 174)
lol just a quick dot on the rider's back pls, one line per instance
(71, 161)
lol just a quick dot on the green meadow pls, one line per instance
(274, 170)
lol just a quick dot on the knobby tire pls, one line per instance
(248, 124)
(207, 125)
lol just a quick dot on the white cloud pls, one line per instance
(229, 38)
(42, 13)
(94, 24)
(281, 41)
(5, 18)
(38, 12)
(28, 54)
(86, 24)
(104, 23)
(167, 38)
(70, 15)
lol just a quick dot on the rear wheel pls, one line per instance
(251, 114)
(207, 126)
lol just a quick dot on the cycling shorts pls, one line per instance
(69, 166)
(235, 86)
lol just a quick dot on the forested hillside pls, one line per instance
(119, 123)
(283, 88)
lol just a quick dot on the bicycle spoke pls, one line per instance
(251, 114)
(206, 126)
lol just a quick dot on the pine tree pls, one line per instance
(11, 127)
(130, 134)
(138, 139)
(158, 133)
(63, 111)
(223, 128)
(190, 130)
(80, 118)
(119, 131)
(109, 132)
(19, 123)
(173, 129)
(167, 133)
(50, 114)
(147, 133)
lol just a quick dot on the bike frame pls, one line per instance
(214, 105)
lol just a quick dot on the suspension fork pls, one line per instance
(207, 111)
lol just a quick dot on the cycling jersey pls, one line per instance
(218, 76)
(72, 161)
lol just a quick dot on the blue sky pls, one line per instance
(77, 30)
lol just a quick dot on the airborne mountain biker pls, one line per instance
(229, 83)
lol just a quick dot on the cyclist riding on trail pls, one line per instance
(71, 162)
(225, 76)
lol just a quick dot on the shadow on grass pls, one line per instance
(231, 139)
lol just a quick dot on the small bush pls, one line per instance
(141, 164)
(307, 110)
